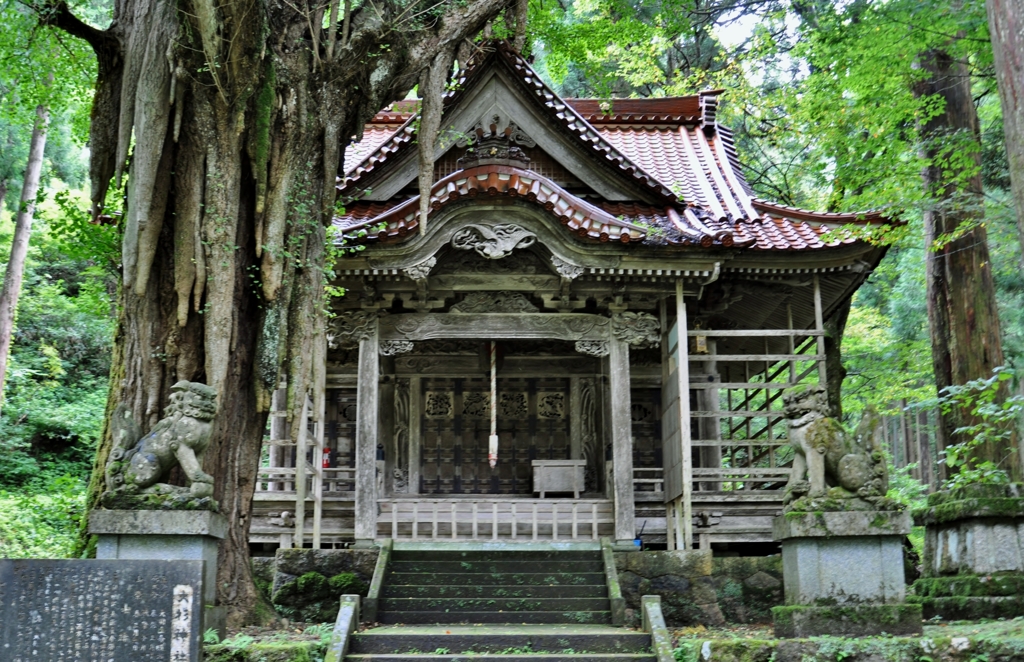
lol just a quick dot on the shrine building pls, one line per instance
(511, 370)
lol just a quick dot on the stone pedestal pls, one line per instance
(973, 562)
(843, 574)
(166, 535)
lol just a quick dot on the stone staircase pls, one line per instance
(504, 643)
(510, 603)
(485, 586)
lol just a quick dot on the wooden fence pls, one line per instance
(481, 518)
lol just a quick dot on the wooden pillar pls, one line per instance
(367, 399)
(278, 434)
(711, 456)
(683, 377)
(575, 418)
(318, 465)
(620, 430)
(819, 326)
(302, 470)
(415, 433)
(386, 428)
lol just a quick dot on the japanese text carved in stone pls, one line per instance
(597, 348)
(348, 328)
(138, 465)
(395, 347)
(493, 241)
(637, 329)
(833, 470)
(495, 302)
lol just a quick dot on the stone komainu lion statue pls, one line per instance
(831, 464)
(140, 465)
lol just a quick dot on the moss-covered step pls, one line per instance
(505, 566)
(996, 641)
(526, 617)
(477, 639)
(483, 555)
(570, 655)
(956, 608)
(847, 620)
(497, 578)
(496, 591)
(495, 604)
(267, 651)
(1002, 584)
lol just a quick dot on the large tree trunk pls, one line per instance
(835, 371)
(1006, 25)
(962, 314)
(237, 147)
(19, 244)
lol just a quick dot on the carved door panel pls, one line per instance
(533, 423)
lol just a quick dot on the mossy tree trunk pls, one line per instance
(962, 315)
(230, 121)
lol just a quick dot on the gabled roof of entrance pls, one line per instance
(674, 173)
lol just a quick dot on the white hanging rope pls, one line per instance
(492, 447)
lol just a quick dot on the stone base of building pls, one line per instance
(798, 621)
(970, 597)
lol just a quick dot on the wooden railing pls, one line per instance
(495, 519)
(282, 479)
(649, 483)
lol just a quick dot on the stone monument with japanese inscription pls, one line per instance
(98, 611)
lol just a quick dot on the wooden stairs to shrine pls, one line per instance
(510, 604)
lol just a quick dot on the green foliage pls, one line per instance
(57, 377)
(42, 523)
(995, 422)
(78, 237)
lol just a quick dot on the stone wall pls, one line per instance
(748, 587)
(307, 583)
(682, 579)
(697, 589)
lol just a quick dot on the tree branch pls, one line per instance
(58, 15)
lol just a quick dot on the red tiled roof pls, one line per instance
(671, 148)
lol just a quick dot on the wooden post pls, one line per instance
(712, 455)
(415, 433)
(318, 467)
(367, 397)
(683, 377)
(620, 430)
(278, 433)
(300, 472)
(819, 326)
(575, 419)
